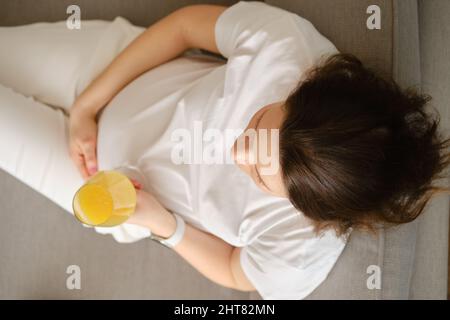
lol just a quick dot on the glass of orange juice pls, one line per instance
(108, 198)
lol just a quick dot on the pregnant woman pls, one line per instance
(354, 151)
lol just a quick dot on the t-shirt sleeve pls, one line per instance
(288, 261)
(248, 26)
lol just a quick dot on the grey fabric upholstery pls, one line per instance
(344, 22)
(38, 241)
(429, 278)
(138, 12)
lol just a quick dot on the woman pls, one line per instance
(354, 150)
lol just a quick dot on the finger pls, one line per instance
(79, 162)
(90, 158)
(136, 183)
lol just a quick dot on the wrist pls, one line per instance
(89, 104)
(164, 225)
(177, 236)
(82, 111)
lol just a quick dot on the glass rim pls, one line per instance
(89, 182)
(75, 211)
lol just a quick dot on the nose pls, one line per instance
(243, 154)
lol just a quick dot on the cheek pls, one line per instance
(277, 186)
(245, 169)
(240, 150)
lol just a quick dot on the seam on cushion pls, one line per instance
(382, 235)
(417, 222)
(381, 252)
(413, 257)
(418, 45)
(394, 39)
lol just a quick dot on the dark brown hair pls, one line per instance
(356, 151)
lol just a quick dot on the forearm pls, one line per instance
(210, 255)
(160, 43)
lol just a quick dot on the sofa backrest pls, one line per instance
(393, 50)
(343, 22)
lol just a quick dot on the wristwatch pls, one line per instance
(175, 238)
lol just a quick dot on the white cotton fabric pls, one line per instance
(268, 51)
(54, 64)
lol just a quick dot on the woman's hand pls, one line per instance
(83, 141)
(151, 214)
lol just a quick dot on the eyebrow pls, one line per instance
(256, 168)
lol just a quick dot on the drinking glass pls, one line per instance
(108, 198)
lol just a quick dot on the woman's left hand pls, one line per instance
(151, 214)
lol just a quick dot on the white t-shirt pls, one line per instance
(268, 50)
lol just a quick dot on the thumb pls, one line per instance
(90, 157)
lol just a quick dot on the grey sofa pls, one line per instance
(38, 241)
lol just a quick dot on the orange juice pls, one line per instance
(107, 199)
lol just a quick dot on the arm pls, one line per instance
(214, 258)
(211, 256)
(188, 27)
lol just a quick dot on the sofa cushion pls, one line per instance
(138, 12)
(393, 50)
(430, 262)
(344, 23)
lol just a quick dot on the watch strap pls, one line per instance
(176, 237)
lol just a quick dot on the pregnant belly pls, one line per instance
(141, 112)
(134, 128)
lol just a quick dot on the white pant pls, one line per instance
(43, 67)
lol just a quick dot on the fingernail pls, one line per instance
(93, 169)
